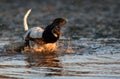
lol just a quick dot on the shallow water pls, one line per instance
(90, 59)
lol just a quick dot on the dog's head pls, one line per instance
(59, 22)
(53, 31)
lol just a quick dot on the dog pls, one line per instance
(43, 36)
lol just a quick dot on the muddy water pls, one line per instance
(82, 59)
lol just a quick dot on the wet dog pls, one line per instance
(43, 36)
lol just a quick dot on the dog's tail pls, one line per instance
(25, 20)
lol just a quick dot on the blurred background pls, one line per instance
(92, 52)
(86, 18)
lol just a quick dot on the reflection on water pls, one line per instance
(30, 64)
(49, 62)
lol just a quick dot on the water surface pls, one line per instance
(90, 59)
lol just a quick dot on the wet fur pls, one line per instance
(50, 35)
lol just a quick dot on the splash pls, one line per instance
(18, 46)
(50, 47)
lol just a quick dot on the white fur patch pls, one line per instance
(55, 34)
(35, 32)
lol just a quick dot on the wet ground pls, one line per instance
(89, 48)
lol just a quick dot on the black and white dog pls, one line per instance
(43, 36)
